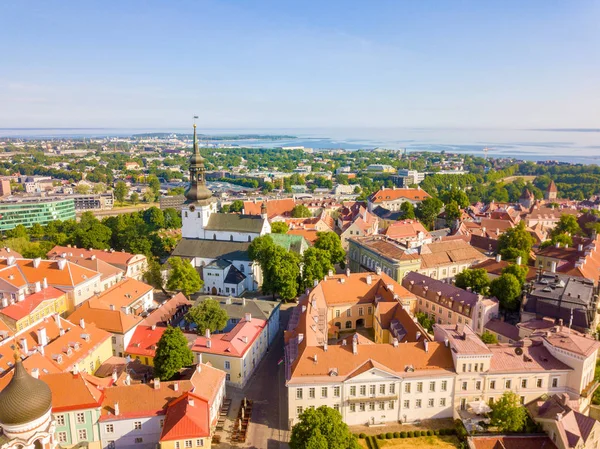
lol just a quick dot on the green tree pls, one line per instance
(519, 271)
(82, 189)
(99, 188)
(477, 279)
(301, 211)
(36, 231)
(236, 206)
(457, 196)
(408, 210)
(322, 428)
(153, 275)
(91, 233)
(172, 353)
(425, 321)
(154, 218)
(154, 185)
(516, 242)
(453, 212)
(19, 231)
(507, 413)
(507, 289)
(428, 210)
(316, 265)
(120, 191)
(357, 189)
(172, 218)
(567, 224)
(488, 338)
(208, 314)
(135, 198)
(329, 241)
(279, 227)
(183, 277)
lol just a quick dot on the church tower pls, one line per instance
(551, 192)
(200, 203)
(26, 412)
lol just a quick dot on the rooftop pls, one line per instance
(234, 343)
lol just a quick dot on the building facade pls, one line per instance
(30, 211)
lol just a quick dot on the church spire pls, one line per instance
(197, 191)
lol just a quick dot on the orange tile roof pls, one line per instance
(20, 310)
(114, 321)
(104, 268)
(167, 309)
(308, 234)
(122, 294)
(7, 252)
(118, 258)
(275, 208)
(70, 276)
(13, 276)
(144, 340)
(187, 417)
(394, 194)
(406, 229)
(510, 442)
(234, 343)
(72, 391)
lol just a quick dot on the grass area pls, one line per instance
(432, 442)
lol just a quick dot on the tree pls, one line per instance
(428, 210)
(99, 188)
(135, 198)
(452, 212)
(120, 191)
(236, 206)
(172, 353)
(331, 242)
(172, 218)
(316, 265)
(91, 233)
(36, 231)
(357, 189)
(408, 210)
(519, 271)
(488, 338)
(425, 321)
(82, 189)
(566, 225)
(207, 315)
(516, 242)
(507, 289)
(477, 279)
(301, 211)
(183, 277)
(279, 227)
(507, 413)
(153, 275)
(154, 218)
(154, 185)
(322, 428)
(455, 195)
(19, 231)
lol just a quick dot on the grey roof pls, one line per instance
(235, 222)
(447, 290)
(211, 249)
(238, 307)
(386, 214)
(219, 263)
(234, 276)
(439, 233)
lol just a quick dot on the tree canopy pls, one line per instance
(172, 353)
(322, 428)
(567, 224)
(236, 206)
(279, 227)
(331, 242)
(488, 338)
(507, 413)
(428, 210)
(301, 211)
(516, 242)
(208, 314)
(183, 277)
(507, 289)
(476, 279)
(120, 191)
(408, 210)
(316, 265)
(519, 271)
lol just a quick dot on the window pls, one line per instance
(336, 407)
(464, 367)
(419, 387)
(188, 443)
(137, 425)
(227, 364)
(443, 402)
(139, 440)
(324, 392)
(464, 386)
(361, 406)
(449, 314)
(298, 393)
(353, 390)
(431, 386)
(431, 402)
(481, 367)
(522, 400)
(363, 390)
(228, 377)
(336, 392)
(60, 420)
(476, 367)
(418, 404)
(554, 382)
(299, 410)
(311, 393)
(539, 383)
(407, 388)
(337, 313)
(361, 311)
(391, 405)
(114, 340)
(444, 385)
(492, 384)
(348, 324)
(524, 383)
(370, 310)
(507, 385)
(162, 423)
(372, 390)
(349, 312)
(80, 418)
(371, 406)
(382, 389)
(200, 442)
(352, 408)
(478, 385)
(406, 404)
(62, 437)
(109, 428)
(82, 434)
(392, 388)
(110, 444)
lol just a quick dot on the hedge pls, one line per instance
(381, 436)
(396, 434)
(389, 436)
(403, 434)
(362, 435)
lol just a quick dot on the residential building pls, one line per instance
(186, 423)
(445, 259)
(129, 295)
(23, 314)
(547, 217)
(237, 352)
(410, 233)
(580, 260)
(143, 343)
(28, 211)
(275, 207)
(447, 304)
(362, 224)
(109, 274)
(406, 177)
(393, 198)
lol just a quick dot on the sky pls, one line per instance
(300, 64)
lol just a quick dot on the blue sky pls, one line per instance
(306, 64)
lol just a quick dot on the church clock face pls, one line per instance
(192, 208)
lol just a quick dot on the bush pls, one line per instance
(410, 434)
(429, 433)
(381, 436)
(436, 432)
(362, 435)
(403, 434)
(424, 433)
(396, 434)
(389, 436)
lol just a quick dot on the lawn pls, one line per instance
(432, 442)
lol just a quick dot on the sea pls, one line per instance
(581, 146)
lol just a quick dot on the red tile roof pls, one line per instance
(21, 309)
(234, 343)
(144, 340)
(394, 194)
(275, 208)
(187, 417)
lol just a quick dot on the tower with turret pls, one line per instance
(551, 192)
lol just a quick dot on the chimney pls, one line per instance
(378, 271)
(348, 272)
(112, 307)
(175, 386)
(24, 346)
(199, 365)
(315, 282)
(191, 401)
(390, 287)
(330, 273)
(418, 335)
(354, 346)
(114, 376)
(75, 370)
(519, 259)
(37, 287)
(580, 247)
(156, 383)
(61, 332)
(208, 344)
(300, 338)
(557, 244)
(35, 373)
(36, 262)
(44, 283)
(395, 342)
(498, 257)
(61, 264)
(426, 345)
(553, 267)
(207, 333)
(153, 327)
(446, 341)
(41, 336)
(244, 302)
(125, 310)
(369, 279)
(325, 347)
(315, 358)
(4, 302)
(82, 323)
(248, 316)
(245, 339)
(116, 407)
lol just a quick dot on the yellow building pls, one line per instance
(142, 345)
(33, 308)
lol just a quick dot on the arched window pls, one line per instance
(348, 324)
(231, 238)
(242, 269)
(338, 325)
(249, 238)
(214, 236)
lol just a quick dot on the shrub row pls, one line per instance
(409, 434)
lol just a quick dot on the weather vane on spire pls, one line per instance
(195, 117)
